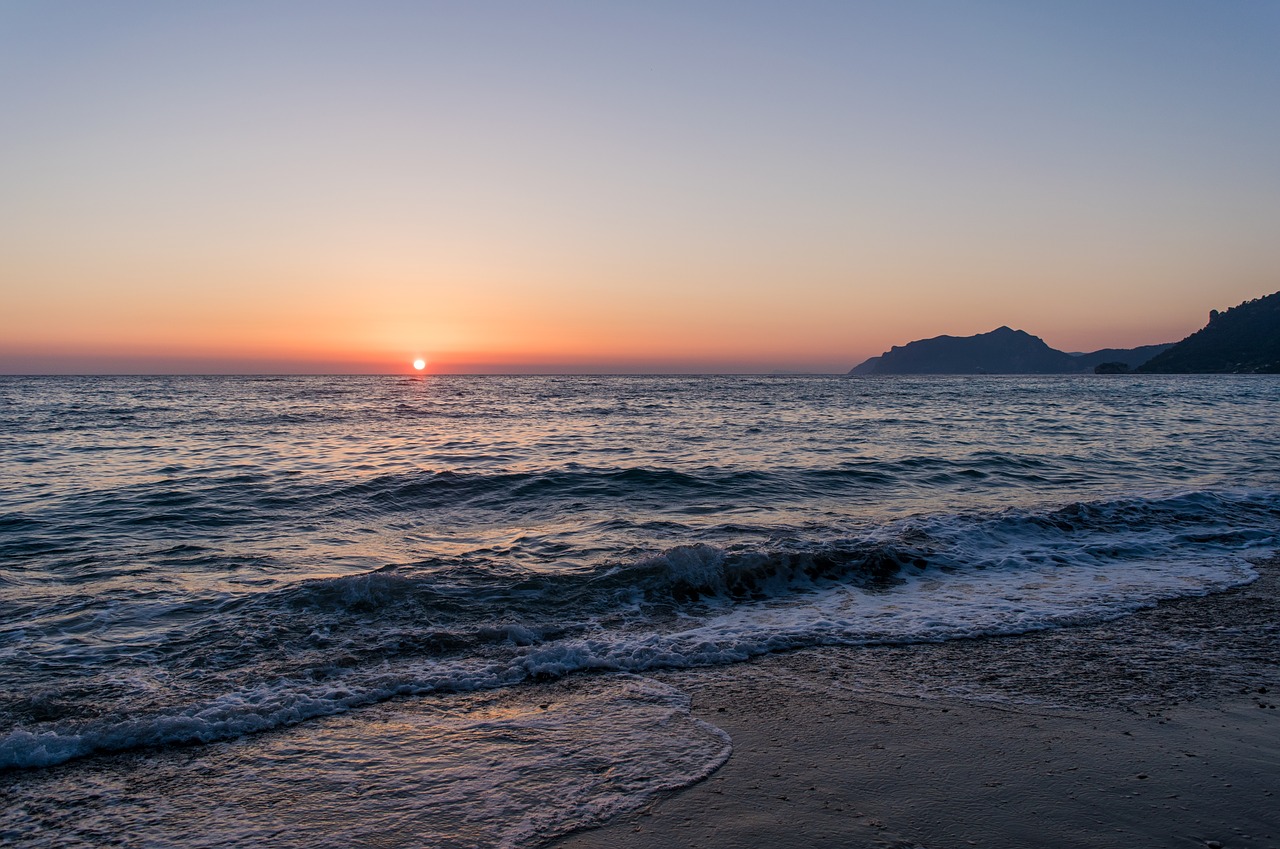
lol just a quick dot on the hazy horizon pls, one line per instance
(603, 188)
(35, 366)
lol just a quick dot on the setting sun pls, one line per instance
(419, 364)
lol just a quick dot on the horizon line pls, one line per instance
(440, 374)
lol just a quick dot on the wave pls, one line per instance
(327, 646)
(700, 573)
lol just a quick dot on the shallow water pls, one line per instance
(343, 578)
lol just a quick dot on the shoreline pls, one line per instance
(1159, 729)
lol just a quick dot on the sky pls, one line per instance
(652, 186)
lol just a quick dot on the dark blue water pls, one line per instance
(282, 565)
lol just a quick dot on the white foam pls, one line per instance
(1006, 573)
(501, 769)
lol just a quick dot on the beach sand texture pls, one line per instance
(1161, 729)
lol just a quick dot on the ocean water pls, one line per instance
(393, 611)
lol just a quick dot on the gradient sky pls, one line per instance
(647, 186)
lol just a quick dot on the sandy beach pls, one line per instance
(1156, 730)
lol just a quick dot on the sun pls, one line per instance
(419, 364)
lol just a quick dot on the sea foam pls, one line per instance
(921, 579)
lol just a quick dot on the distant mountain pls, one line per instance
(1243, 340)
(1002, 351)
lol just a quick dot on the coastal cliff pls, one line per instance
(1243, 340)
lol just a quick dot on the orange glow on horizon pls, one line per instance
(214, 194)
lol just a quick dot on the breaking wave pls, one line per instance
(324, 646)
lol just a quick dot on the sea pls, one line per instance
(428, 610)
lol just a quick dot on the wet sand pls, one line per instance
(1158, 730)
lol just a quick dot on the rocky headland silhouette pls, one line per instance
(1002, 351)
(1242, 340)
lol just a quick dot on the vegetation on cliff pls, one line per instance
(1243, 340)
